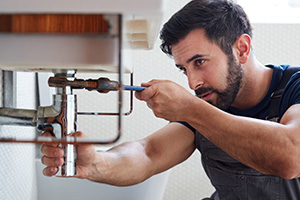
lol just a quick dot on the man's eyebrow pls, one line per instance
(194, 57)
(191, 59)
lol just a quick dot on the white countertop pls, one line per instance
(144, 7)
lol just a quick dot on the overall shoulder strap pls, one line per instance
(276, 95)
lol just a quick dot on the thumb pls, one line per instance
(150, 83)
(78, 134)
(146, 94)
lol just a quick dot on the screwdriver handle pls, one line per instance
(135, 88)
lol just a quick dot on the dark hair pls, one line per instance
(222, 20)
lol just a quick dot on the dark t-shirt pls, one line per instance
(232, 179)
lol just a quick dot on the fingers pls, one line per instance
(50, 171)
(49, 134)
(53, 156)
(51, 151)
(52, 164)
(150, 83)
(78, 134)
(52, 161)
(146, 94)
(151, 90)
(46, 134)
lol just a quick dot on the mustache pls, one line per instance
(203, 90)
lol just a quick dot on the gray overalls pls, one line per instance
(233, 180)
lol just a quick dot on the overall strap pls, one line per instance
(273, 114)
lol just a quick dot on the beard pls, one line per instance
(226, 97)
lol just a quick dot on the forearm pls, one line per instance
(125, 164)
(133, 162)
(265, 146)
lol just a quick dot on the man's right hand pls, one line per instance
(128, 163)
(53, 157)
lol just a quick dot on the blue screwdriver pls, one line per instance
(134, 88)
(105, 85)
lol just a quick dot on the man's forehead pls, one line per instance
(196, 38)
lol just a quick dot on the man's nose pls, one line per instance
(195, 80)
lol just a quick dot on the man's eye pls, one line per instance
(199, 62)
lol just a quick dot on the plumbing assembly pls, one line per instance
(64, 40)
(61, 117)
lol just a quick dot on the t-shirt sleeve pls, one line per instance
(291, 94)
(293, 90)
(187, 125)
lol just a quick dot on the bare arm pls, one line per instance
(133, 162)
(130, 162)
(269, 147)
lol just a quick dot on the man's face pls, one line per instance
(214, 76)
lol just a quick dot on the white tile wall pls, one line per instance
(277, 43)
(17, 166)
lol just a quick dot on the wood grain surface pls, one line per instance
(53, 23)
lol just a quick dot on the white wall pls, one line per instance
(17, 166)
(277, 43)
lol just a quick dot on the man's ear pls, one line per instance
(243, 48)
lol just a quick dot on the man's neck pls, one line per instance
(255, 84)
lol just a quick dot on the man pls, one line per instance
(244, 157)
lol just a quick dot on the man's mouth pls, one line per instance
(206, 96)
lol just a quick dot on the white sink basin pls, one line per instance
(50, 188)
